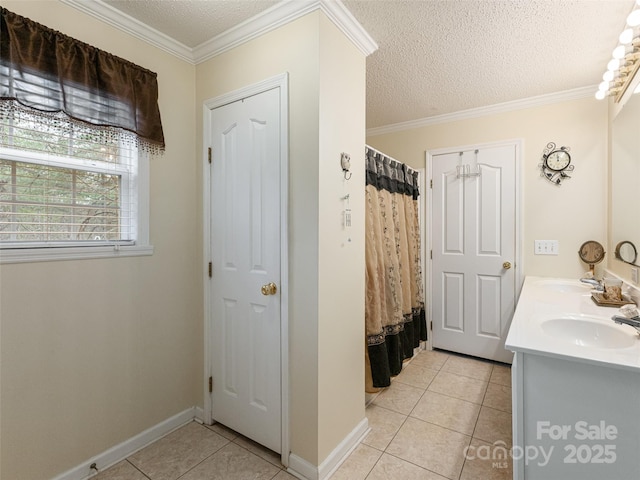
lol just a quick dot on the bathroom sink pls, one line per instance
(586, 332)
(564, 286)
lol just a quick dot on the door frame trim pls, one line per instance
(518, 143)
(282, 82)
(424, 248)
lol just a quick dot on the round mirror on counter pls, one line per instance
(591, 252)
(626, 251)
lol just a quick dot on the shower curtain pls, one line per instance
(394, 311)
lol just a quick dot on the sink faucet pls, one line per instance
(632, 322)
(596, 284)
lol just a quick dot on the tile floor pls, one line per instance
(439, 405)
(199, 452)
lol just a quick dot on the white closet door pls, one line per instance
(245, 233)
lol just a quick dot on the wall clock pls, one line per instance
(556, 162)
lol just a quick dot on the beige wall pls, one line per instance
(326, 281)
(341, 250)
(96, 351)
(572, 213)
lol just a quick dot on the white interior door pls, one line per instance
(474, 250)
(245, 287)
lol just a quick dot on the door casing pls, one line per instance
(280, 81)
(519, 274)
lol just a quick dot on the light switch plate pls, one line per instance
(546, 247)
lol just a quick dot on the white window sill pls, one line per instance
(28, 255)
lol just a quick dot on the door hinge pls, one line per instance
(209, 154)
(210, 269)
(431, 326)
(431, 254)
(431, 183)
(210, 384)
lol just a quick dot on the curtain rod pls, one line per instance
(411, 169)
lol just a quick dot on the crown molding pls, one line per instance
(530, 102)
(116, 18)
(281, 14)
(349, 25)
(271, 19)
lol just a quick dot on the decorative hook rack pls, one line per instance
(463, 171)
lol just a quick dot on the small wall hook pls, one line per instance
(345, 163)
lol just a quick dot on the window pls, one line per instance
(64, 184)
(77, 127)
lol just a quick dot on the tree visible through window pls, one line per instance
(77, 125)
(62, 182)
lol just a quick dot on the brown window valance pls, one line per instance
(45, 72)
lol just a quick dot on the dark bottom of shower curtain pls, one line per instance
(386, 358)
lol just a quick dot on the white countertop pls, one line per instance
(544, 298)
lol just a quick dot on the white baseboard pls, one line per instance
(199, 415)
(304, 470)
(118, 453)
(300, 468)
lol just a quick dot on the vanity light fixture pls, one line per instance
(625, 60)
(633, 20)
(619, 52)
(626, 36)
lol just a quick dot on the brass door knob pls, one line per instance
(506, 265)
(269, 289)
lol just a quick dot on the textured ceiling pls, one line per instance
(440, 56)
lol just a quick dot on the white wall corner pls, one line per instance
(199, 415)
(302, 469)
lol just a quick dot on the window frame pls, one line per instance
(140, 227)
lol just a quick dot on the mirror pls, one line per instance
(591, 252)
(626, 251)
(625, 180)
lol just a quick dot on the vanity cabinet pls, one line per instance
(576, 401)
(574, 420)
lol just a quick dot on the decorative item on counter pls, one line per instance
(612, 295)
(600, 300)
(629, 311)
(556, 162)
(613, 289)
